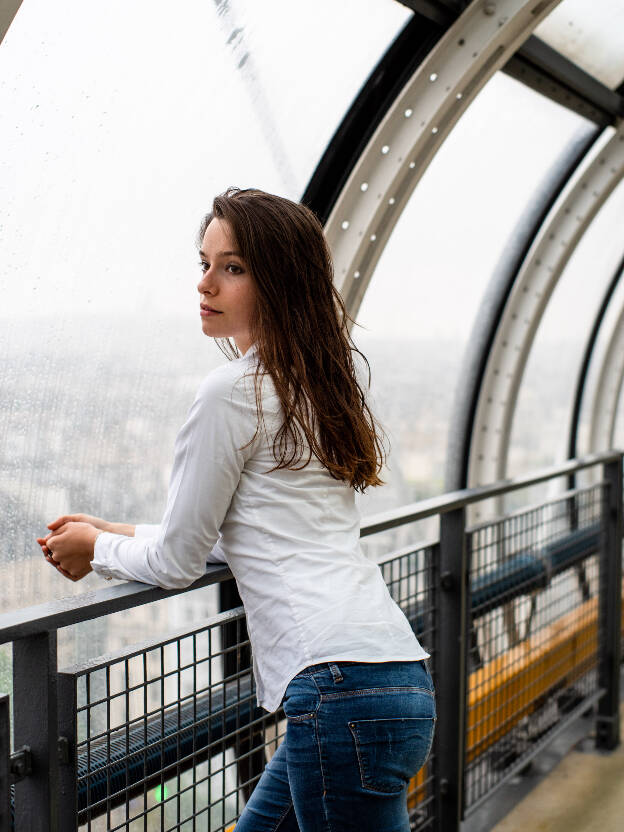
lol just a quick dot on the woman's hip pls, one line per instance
(357, 733)
(378, 717)
(370, 681)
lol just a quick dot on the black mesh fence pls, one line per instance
(533, 632)
(166, 741)
(168, 735)
(411, 578)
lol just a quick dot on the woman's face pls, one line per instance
(227, 290)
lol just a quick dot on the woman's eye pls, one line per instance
(204, 266)
(234, 268)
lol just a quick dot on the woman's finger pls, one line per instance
(55, 535)
(65, 573)
(60, 521)
(42, 541)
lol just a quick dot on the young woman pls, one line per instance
(266, 468)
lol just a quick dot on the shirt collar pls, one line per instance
(251, 350)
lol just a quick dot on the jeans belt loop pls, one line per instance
(335, 672)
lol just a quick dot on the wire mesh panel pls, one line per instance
(164, 740)
(411, 578)
(533, 632)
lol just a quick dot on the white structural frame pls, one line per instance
(566, 223)
(8, 10)
(608, 388)
(478, 43)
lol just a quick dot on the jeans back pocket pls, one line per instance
(391, 751)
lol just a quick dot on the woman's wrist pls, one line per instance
(126, 529)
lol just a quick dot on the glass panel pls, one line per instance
(589, 33)
(541, 424)
(420, 307)
(121, 121)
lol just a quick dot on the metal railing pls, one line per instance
(521, 615)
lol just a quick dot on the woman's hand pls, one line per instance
(102, 525)
(70, 548)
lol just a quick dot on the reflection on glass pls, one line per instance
(120, 125)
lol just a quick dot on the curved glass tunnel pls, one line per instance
(466, 159)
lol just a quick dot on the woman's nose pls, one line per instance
(206, 285)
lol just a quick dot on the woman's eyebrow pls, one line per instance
(224, 254)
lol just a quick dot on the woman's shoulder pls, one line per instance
(227, 382)
(233, 384)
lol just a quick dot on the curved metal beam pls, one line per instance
(8, 10)
(608, 388)
(478, 43)
(531, 292)
(406, 53)
(490, 312)
(587, 357)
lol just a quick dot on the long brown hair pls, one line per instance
(300, 328)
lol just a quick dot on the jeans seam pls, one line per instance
(320, 757)
(283, 815)
(433, 727)
(367, 691)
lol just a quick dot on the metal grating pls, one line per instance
(533, 633)
(411, 577)
(164, 740)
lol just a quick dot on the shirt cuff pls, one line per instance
(100, 563)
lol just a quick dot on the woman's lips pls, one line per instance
(208, 311)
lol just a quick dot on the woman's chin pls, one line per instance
(208, 328)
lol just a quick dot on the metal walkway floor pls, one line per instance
(584, 792)
(569, 787)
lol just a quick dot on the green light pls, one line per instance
(160, 793)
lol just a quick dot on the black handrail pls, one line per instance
(74, 609)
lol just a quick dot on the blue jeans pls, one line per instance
(356, 733)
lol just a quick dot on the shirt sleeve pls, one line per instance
(208, 460)
(146, 529)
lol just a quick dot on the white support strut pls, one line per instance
(561, 232)
(478, 43)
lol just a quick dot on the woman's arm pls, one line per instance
(103, 525)
(206, 471)
(78, 542)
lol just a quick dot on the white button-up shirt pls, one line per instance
(291, 539)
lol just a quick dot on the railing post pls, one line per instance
(249, 746)
(67, 740)
(35, 726)
(5, 756)
(451, 668)
(610, 614)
